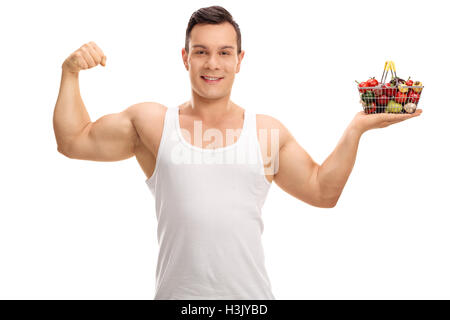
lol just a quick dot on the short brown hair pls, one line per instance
(212, 15)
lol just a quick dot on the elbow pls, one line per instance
(332, 205)
(328, 205)
(63, 150)
(329, 202)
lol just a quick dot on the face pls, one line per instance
(212, 53)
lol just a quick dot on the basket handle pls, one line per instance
(393, 66)
(388, 66)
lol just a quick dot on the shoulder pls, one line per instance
(145, 109)
(267, 124)
(147, 118)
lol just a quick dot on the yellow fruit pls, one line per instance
(403, 88)
(393, 107)
(417, 83)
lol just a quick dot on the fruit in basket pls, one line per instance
(377, 91)
(382, 100)
(371, 108)
(393, 107)
(417, 83)
(409, 82)
(395, 96)
(401, 97)
(361, 86)
(372, 82)
(410, 107)
(396, 81)
(403, 88)
(413, 97)
(368, 97)
(390, 89)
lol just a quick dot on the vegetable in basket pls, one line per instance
(396, 81)
(378, 91)
(410, 107)
(382, 100)
(368, 97)
(394, 107)
(372, 108)
(394, 96)
(403, 88)
(401, 97)
(413, 97)
(417, 83)
(362, 85)
(390, 89)
(372, 82)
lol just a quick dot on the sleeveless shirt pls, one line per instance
(208, 206)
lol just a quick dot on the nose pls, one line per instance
(212, 62)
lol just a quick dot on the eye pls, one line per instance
(225, 52)
(199, 52)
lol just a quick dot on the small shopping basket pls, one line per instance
(395, 96)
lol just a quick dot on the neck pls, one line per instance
(209, 109)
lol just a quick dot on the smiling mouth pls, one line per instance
(211, 79)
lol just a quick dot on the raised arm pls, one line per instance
(297, 172)
(110, 138)
(322, 185)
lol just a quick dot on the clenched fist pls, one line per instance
(87, 56)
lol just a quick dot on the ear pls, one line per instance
(240, 57)
(184, 56)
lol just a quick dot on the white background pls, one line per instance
(73, 229)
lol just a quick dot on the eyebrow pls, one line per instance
(204, 47)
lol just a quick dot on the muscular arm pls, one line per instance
(335, 170)
(112, 137)
(319, 185)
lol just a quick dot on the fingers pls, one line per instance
(92, 55)
(80, 61)
(394, 118)
(87, 55)
(99, 52)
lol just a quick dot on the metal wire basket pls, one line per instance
(392, 97)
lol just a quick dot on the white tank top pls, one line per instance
(208, 208)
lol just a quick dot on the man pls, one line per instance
(208, 203)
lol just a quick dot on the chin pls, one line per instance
(210, 94)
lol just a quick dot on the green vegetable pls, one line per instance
(368, 97)
(393, 107)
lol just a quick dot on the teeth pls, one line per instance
(208, 78)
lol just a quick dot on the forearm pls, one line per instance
(335, 170)
(70, 115)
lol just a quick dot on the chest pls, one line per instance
(210, 135)
(202, 135)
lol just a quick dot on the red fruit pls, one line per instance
(413, 97)
(378, 91)
(372, 82)
(372, 108)
(409, 83)
(400, 97)
(361, 86)
(390, 90)
(383, 100)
